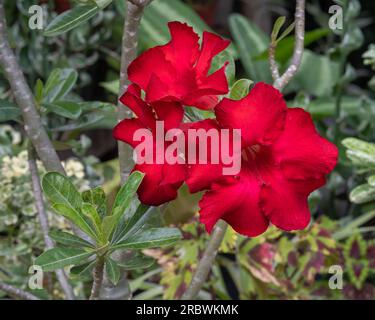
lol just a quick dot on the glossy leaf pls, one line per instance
(59, 189)
(362, 194)
(77, 218)
(134, 222)
(121, 203)
(71, 19)
(360, 152)
(89, 211)
(83, 271)
(59, 84)
(112, 271)
(58, 258)
(136, 263)
(240, 89)
(9, 111)
(151, 238)
(251, 42)
(96, 196)
(66, 109)
(276, 27)
(69, 239)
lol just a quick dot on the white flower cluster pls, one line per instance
(16, 196)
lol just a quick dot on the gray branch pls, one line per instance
(281, 81)
(205, 264)
(25, 100)
(98, 279)
(133, 17)
(16, 292)
(43, 219)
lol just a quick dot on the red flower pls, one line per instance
(178, 71)
(283, 160)
(161, 181)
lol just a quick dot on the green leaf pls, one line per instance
(69, 239)
(97, 198)
(38, 90)
(9, 111)
(317, 74)
(133, 223)
(286, 32)
(83, 271)
(127, 192)
(76, 218)
(154, 24)
(111, 86)
(362, 194)
(325, 107)
(89, 211)
(59, 83)
(59, 189)
(121, 203)
(66, 109)
(285, 46)
(276, 28)
(151, 238)
(371, 180)
(251, 42)
(240, 89)
(112, 271)
(136, 263)
(103, 117)
(58, 258)
(71, 19)
(218, 62)
(360, 152)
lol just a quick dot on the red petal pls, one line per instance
(200, 176)
(212, 44)
(135, 90)
(214, 84)
(183, 49)
(284, 202)
(235, 201)
(125, 130)
(206, 102)
(171, 113)
(300, 150)
(154, 189)
(260, 115)
(140, 108)
(148, 63)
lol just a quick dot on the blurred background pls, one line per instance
(335, 83)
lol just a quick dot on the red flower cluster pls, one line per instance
(283, 158)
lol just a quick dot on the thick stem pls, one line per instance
(205, 264)
(25, 100)
(273, 64)
(16, 292)
(133, 17)
(98, 279)
(43, 219)
(134, 12)
(284, 79)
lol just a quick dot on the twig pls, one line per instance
(272, 59)
(43, 219)
(205, 264)
(25, 100)
(281, 81)
(98, 279)
(133, 17)
(16, 292)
